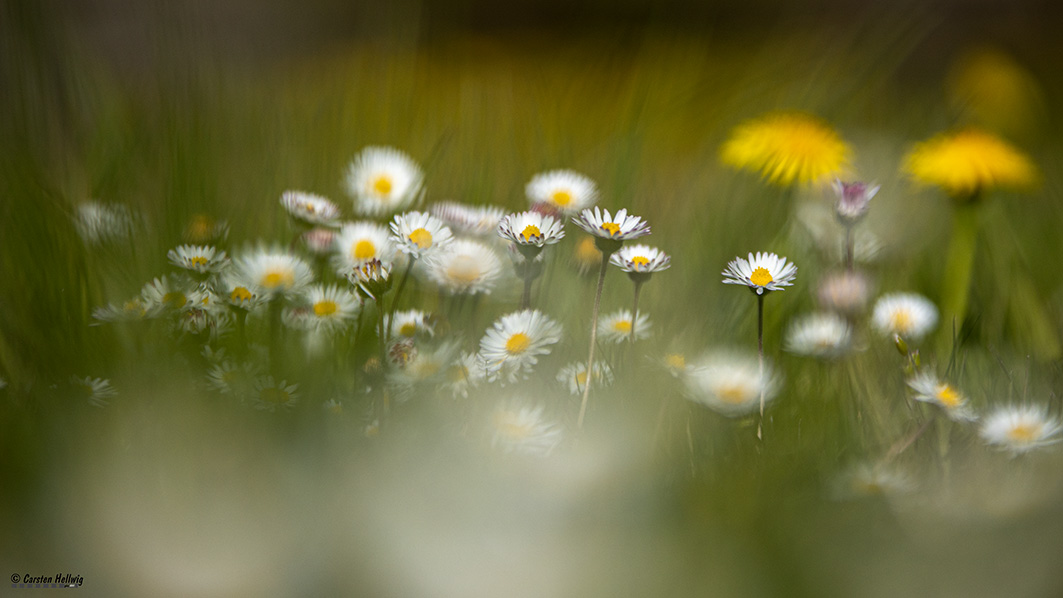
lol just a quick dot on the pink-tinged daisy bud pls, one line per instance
(853, 200)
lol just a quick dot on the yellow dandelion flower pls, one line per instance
(786, 148)
(969, 161)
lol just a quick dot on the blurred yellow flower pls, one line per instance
(786, 148)
(969, 161)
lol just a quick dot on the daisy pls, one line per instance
(373, 279)
(612, 229)
(310, 208)
(166, 294)
(229, 378)
(268, 395)
(423, 366)
(822, 335)
(515, 342)
(586, 255)
(786, 148)
(1020, 428)
(465, 267)
(419, 233)
(574, 376)
(866, 480)
(464, 373)
(99, 223)
(202, 259)
(531, 230)
(730, 384)
(640, 260)
(410, 323)
(929, 389)
(907, 314)
(478, 221)
(524, 430)
(319, 240)
(564, 190)
(330, 308)
(274, 272)
(134, 309)
(239, 292)
(761, 272)
(619, 326)
(674, 363)
(844, 292)
(383, 180)
(333, 407)
(95, 390)
(966, 162)
(852, 200)
(360, 242)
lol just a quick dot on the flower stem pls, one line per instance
(760, 353)
(525, 302)
(594, 338)
(850, 250)
(402, 283)
(380, 330)
(635, 311)
(959, 266)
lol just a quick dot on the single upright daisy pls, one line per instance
(419, 233)
(640, 261)
(95, 390)
(574, 376)
(524, 430)
(906, 314)
(330, 308)
(410, 323)
(268, 394)
(730, 384)
(465, 267)
(239, 291)
(967, 162)
(566, 190)
(383, 180)
(202, 259)
(786, 148)
(360, 242)
(761, 272)
(477, 221)
(822, 335)
(619, 326)
(275, 272)
(1020, 428)
(529, 232)
(310, 208)
(514, 343)
(929, 389)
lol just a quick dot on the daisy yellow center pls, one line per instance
(761, 277)
(948, 396)
(132, 307)
(382, 184)
(531, 232)
(200, 228)
(511, 427)
(199, 261)
(611, 227)
(464, 269)
(581, 379)
(325, 308)
(408, 329)
(364, 250)
(175, 299)
(587, 253)
(901, 321)
(518, 343)
(277, 396)
(562, 197)
(1025, 432)
(622, 326)
(734, 394)
(240, 294)
(421, 238)
(273, 280)
(640, 262)
(675, 361)
(310, 209)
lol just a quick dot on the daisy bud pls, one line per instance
(853, 200)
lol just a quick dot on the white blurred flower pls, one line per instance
(99, 223)
(419, 233)
(274, 272)
(907, 314)
(729, 383)
(823, 335)
(574, 376)
(564, 190)
(310, 208)
(465, 267)
(95, 390)
(479, 221)
(929, 389)
(616, 327)
(524, 430)
(383, 180)
(1020, 428)
(515, 341)
(268, 394)
(198, 258)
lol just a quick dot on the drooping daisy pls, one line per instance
(524, 430)
(822, 335)
(477, 221)
(275, 272)
(268, 395)
(929, 389)
(330, 307)
(967, 162)
(908, 314)
(730, 384)
(419, 233)
(574, 376)
(465, 267)
(640, 260)
(762, 272)
(615, 228)
(618, 326)
(202, 259)
(383, 180)
(531, 230)
(786, 148)
(410, 323)
(310, 208)
(360, 242)
(514, 343)
(1020, 428)
(94, 390)
(566, 190)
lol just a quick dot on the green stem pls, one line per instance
(760, 353)
(959, 266)
(635, 310)
(594, 339)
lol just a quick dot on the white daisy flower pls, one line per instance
(844, 292)
(515, 342)
(478, 221)
(229, 378)
(639, 261)
(166, 294)
(310, 208)
(929, 389)
(202, 259)
(565, 190)
(574, 376)
(383, 180)
(360, 242)
(410, 323)
(907, 314)
(674, 363)
(240, 292)
(268, 395)
(1020, 428)
(419, 233)
(823, 335)
(524, 430)
(421, 366)
(134, 309)
(95, 390)
(603, 225)
(103, 223)
(531, 228)
(465, 266)
(866, 480)
(330, 308)
(274, 272)
(762, 272)
(333, 407)
(616, 327)
(464, 373)
(730, 384)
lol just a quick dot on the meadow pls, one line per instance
(163, 433)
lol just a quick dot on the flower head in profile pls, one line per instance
(310, 208)
(970, 161)
(728, 383)
(514, 343)
(129, 311)
(524, 430)
(908, 314)
(610, 231)
(928, 388)
(786, 148)
(531, 229)
(852, 200)
(822, 335)
(274, 272)
(640, 261)
(1020, 428)
(762, 272)
(477, 221)
(617, 326)
(574, 376)
(383, 180)
(566, 191)
(199, 259)
(465, 267)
